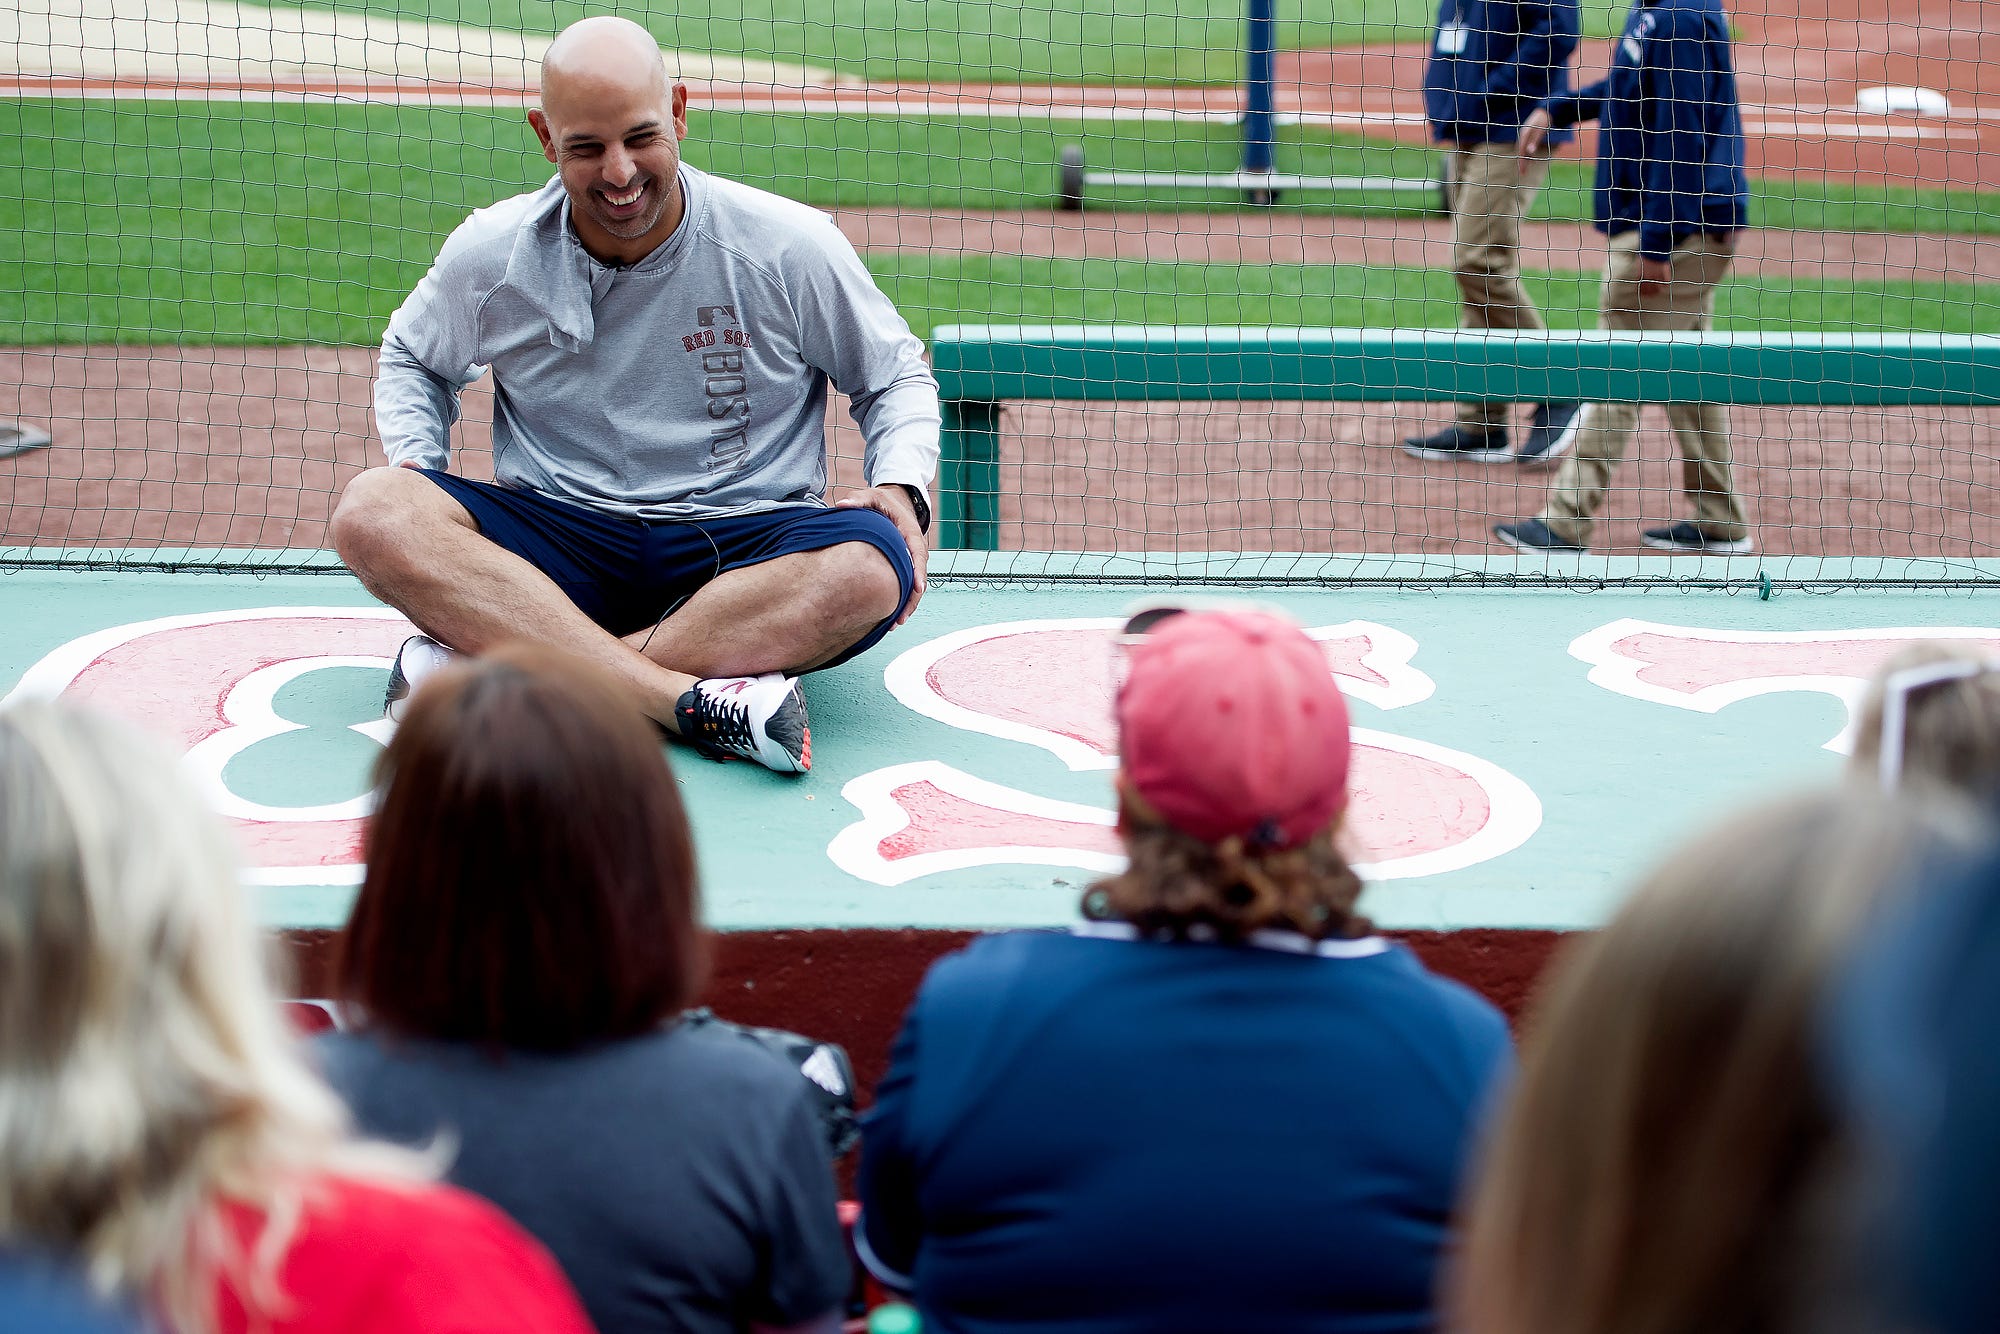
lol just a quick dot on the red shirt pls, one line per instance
(372, 1257)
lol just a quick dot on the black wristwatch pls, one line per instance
(919, 504)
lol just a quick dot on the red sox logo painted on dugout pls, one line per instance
(1707, 670)
(1417, 808)
(207, 682)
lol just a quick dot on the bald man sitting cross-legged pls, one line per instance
(661, 342)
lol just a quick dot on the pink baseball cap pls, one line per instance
(1230, 723)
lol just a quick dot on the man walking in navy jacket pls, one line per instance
(1491, 62)
(1671, 197)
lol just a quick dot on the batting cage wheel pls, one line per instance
(1069, 188)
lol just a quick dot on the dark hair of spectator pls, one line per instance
(531, 879)
(1174, 881)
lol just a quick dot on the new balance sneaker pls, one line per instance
(1684, 536)
(1551, 432)
(419, 658)
(1534, 537)
(761, 718)
(1458, 442)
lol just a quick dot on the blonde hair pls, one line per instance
(147, 1080)
(1174, 881)
(1951, 728)
(1659, 1168)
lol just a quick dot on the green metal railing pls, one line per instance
(980, 366)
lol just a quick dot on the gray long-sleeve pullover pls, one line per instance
(690, 384)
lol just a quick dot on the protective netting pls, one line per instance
(209, 210)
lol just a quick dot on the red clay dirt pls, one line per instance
(1797, 77)
(250, 447)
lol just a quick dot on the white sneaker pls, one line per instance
(418, 659)
(761, 718)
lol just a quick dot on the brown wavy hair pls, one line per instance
(1174, 881)
(531, 877)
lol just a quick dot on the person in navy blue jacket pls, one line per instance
(1220, 1103)
(1671, 197)
(1492, 62)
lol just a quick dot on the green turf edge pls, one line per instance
(1239, 568)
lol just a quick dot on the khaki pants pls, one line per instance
(1490, 194)
(1701, 429)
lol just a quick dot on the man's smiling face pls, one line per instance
(612, 124)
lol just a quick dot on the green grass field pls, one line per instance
(977, 41)
(422, 168)
(200, 222)
(933, 289)
(917, 162)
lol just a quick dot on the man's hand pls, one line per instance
(1533, 139)
(1654, 274)
(893, 501)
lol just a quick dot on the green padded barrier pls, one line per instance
(979, 366)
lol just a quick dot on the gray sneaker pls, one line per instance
(1684, 536)
(1458, 442)
(1552, 431)
(1534, 537)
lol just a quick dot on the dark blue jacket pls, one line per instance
(1492, 61)
(1670, 135)
(1092, 1136)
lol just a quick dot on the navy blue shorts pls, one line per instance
(628, 574)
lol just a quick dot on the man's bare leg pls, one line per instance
(788, 615)
(417, 549)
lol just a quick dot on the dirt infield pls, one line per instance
(1330, 477)
(1281, 237)
(1799, 68)
(250, 446)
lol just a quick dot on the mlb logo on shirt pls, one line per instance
(1642, 28)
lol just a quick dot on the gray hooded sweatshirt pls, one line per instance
(689, 385)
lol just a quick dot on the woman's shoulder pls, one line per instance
(393, 1255)
(368, 1206)
(662, 1062)
(986, 963)
(718, 1052)
(1009, 951)
(1449, 1013)
(393, 1220)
